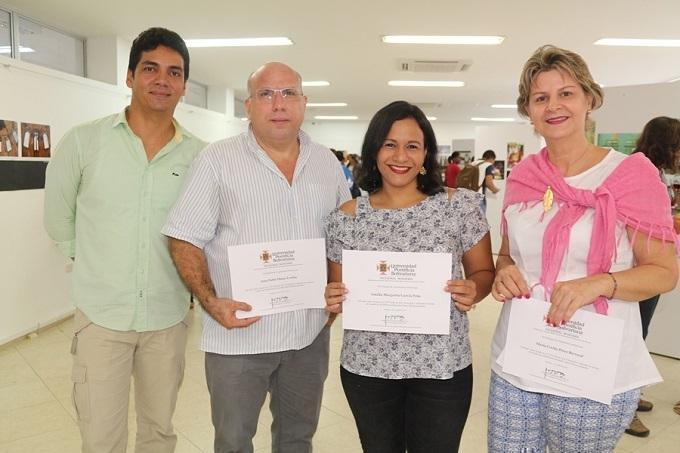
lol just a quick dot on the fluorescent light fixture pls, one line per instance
(425, 83)
(503, 106)
(326, 104)
(638, 42)
(315, 83)
(22, 49)
(336, 117)
(475, 40)
(431, 118)
(239, 42)
(499, 120)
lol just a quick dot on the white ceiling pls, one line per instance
(340, 42)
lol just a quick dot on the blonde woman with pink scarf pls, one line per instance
(584, 228)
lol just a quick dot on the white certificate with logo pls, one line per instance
(396, 292)
(579, 358)
(275, 277)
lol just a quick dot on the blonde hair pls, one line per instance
(549, 58)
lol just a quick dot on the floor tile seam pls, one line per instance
(24, 438)
(188, 439)
(54, 396)
(336, 412)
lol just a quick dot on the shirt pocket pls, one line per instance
(168, 185)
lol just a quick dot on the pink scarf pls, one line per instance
(632, 194)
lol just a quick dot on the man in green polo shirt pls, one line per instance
(108, 190)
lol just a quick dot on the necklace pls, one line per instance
(547, 199)
(549, 196)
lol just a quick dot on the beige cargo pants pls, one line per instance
(103, 362)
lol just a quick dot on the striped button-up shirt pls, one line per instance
(235, 194)
(105, 204)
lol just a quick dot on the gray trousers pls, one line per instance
(238, 386)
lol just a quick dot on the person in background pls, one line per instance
(353, 164)
(108, 190)
(486, 173)
(584, 228)
(409, 391)
(452, 169)
(660, 142)
(345, 169)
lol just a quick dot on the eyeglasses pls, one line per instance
(287, 94)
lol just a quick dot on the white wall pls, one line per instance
(627, 109)
(349, 135)
(34, 281)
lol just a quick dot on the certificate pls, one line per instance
(578, 358)
(396, 292)
(275, 277)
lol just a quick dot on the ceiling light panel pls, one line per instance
(495, 120)
(446, 40)
(627, 42)
(326, 104)
(426, 83)
(239, 42)
(315, 83)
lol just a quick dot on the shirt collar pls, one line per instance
(180, 132)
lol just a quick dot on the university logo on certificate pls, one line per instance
(396, 292)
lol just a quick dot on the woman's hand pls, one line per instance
(335, 296)
(463, 293)
(509, 283)
(569, 296)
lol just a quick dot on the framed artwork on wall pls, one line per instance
(9, 139)
(36, 141)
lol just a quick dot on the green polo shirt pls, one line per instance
(105, 204)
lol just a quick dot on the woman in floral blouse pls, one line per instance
(409, 391)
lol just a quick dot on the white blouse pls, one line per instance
(525, 234)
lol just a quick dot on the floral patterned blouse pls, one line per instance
(438, 225)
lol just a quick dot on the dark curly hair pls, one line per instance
(368, 176)
(659, 141)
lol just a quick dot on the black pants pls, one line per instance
(423, 415)
(647, 308)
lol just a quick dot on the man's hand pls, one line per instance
(224, 312)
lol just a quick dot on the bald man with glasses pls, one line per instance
(271, 183)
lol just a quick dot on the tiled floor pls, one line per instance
(36, 414)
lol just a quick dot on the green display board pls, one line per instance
(623, 142)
